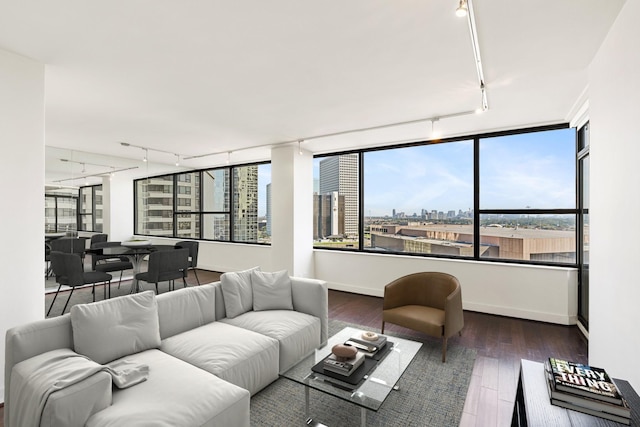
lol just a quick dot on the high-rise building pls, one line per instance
(328, 215)
(245, 203)
(340, 173)
(269, 209)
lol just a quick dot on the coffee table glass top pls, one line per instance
(374, 389)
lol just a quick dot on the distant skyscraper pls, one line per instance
(328, 215)
(340, 173)
(269, 209)
(245, 203)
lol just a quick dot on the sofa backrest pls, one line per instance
(185, 309)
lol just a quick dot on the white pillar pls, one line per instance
(292, 206)
(117, 202)
(22, 177)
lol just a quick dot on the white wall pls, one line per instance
(614, 93)
(22, 177)
(537, 293)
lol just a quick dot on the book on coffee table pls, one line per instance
(369, 348)
(346, 368)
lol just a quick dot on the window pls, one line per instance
(508, 196)
(336, 220)
(90, 209)
(419, 199)
(154, 206)
(227, 204)
(528, 196)
(60, 213)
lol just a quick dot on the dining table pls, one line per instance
(135, 254)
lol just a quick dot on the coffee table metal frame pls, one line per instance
(371, 393)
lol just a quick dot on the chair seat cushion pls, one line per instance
(417, 317)
(176, 393)
(114, 266)
(96, 276)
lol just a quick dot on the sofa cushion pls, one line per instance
(242, 357)
(107, 330)
(297, 333)
(271, 291)
(175, 394)
(185, 309)
(237, 292)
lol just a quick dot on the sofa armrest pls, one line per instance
(311, 296)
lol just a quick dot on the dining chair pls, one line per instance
(69, 271)
(109, 263)
(98, 238)
(193, 255)
(70, 245)
(166, 265)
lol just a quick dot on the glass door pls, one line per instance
(583, 218)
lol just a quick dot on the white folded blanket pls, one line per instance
(35, 379)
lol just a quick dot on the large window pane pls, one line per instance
(155, 206)
(250, 203)
(67, 214)
(215, 190)
(188, 192)
(335, 202)
(188, 225)
(215, 227)
(419, 199)
(547, 238)
(534, 170)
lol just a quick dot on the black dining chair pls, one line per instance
(193, 255)
(109, 263)
(166, 265)
(69, 271)
(69, 245)
(98, 238)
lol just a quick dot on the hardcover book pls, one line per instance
(564, 399)
(583, 380)
(345, 368)
(601, 414)
(369, 348)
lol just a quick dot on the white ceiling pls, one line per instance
(208, 76)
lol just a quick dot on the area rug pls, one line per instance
(431, 393)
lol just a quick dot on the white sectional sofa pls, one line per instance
(191, 357)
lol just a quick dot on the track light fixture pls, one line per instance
(462, 9)
(228, 157)
(300, 147)
(177, 159)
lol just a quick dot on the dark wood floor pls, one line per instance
(500, 343)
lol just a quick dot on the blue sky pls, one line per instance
(534, 170)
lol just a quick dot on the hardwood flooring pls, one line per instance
(500, 343)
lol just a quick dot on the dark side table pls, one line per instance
(534, 409)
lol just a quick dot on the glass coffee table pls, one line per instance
(372, 391)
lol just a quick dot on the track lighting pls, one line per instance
(462, 9)
(146, 153)
(177, 159)
(300, 147)
(228, 157)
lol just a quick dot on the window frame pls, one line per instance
(477, 212)
(201, 213)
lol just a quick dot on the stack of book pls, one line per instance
(368, 347)
(586, 389)
(343, 367)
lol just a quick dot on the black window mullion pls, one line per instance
(361, 200)
(476, 198)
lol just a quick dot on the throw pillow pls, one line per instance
(237, 292)
(271, 291)
(107, 330)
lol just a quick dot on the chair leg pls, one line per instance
(68, 299)
(382, 329)
(157, 288)
(119, 281)
(444, 349)
(93, 291)
(195, 272)
(54, 299)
